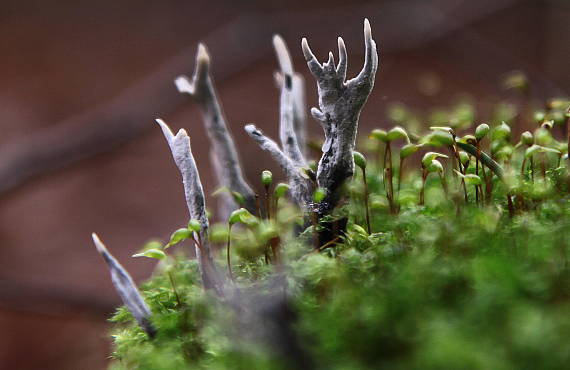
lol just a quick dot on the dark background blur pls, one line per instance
(81, 82)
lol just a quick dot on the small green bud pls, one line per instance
(527, 138)
(438, 138)
(280, 190)
(502, 132)
(179, 235)
(242, 215)
(435, 166)
(359, 159)
(398, 133)
(151, 253)
(195, 226)
(378, 134)
(319, 195)
(481, 131)
(409, 149)
(267, 178)
(463, 157)
(430, 156)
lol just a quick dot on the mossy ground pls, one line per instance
(445, 285)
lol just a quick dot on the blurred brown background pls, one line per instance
(82, 81)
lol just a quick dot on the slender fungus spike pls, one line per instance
(195, 200)
(283, 56)
(224, 156)
(370, 58)
(300, 111)
(314, 66)
(330, 62)
(271, 146)
(287, 132)
(342, 59)
(300, 186)
(126, 288)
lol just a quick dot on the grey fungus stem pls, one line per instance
(288, 101)
(340, 104)
(225, 156)
(126, 288)
(301, 188)
(195, 200)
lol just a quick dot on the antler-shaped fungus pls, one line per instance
(224, 153)
(340, 104)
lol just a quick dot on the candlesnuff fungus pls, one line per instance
(195, 201)
(224, 155)
(286, 82)
(340, 104)
(126, 288)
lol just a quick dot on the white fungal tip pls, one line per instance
(250, 128)
(165, 129)
(367, 30)
(202, 57)
(98, 244)
(182, 133)
(277, 39)
(183, 85)
(283, 56)
(307, 53)
(162, 124)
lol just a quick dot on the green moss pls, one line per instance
(448, 285)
